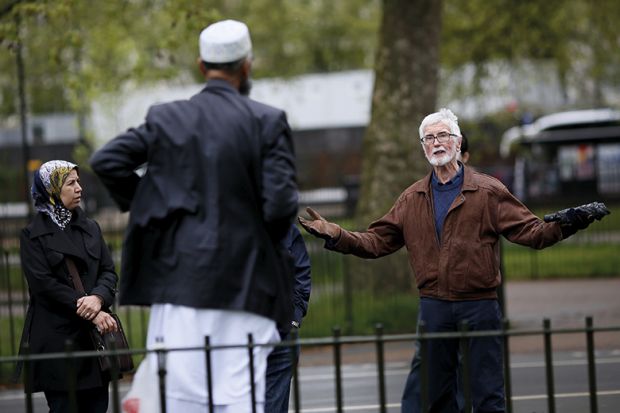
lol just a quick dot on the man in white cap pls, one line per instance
(203, 243)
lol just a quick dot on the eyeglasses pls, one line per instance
(442, 137)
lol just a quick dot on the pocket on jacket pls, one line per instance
(474, 269)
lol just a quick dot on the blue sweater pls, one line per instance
(443, 196)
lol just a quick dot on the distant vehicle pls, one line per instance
(567, 156)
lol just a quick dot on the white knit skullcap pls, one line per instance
(224, 42)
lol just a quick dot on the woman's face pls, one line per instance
(71, 191)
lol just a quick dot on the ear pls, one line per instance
(201, 66)
(246, 68)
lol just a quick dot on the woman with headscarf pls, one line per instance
(56, 311)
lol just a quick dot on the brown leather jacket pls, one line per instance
(465, 266)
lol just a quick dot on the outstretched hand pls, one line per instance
(574, 219)
(319, 226)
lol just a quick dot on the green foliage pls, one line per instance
(397, 313)
(75, 50)
(565, 260)
(580, 38)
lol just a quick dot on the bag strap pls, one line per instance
(75, 276)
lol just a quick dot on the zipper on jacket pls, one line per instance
(429, 203)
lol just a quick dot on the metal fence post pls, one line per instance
(549, 365)
(464, 350)
(338, 367)
(27, 377)
(161, 373)
(380, 368)
(10, 302)
(348, 295)
(115, 375)
(209, 374)
(251, 357)
(296, 395)
(424, 387)
(591, 365)
(142, 323)
(507, 375)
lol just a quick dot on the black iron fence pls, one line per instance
(336, 343)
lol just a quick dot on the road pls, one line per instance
(528, 376)
(360, 388)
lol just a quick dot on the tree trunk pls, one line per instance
(405, 90)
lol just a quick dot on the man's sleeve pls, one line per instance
(303, 281)
(519, 225)
(279, 187)
(383, 237)
(116, 162)
(105, 286)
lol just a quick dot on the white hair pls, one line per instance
(444, 116)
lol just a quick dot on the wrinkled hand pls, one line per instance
(88, 306)
(319, 226)
(105, 323)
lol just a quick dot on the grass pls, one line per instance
(396, 313)
(564, 260)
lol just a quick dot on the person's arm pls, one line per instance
(115, 164)
(279, 187)
(519, 225)
(105, 286)
(101, 296)
(303, 280)
(38, 273)
(382, 237)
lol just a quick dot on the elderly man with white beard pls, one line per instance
(451, 222)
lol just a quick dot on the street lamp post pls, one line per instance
(21, 85)
(21, 91)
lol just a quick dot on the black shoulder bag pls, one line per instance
(103, 342)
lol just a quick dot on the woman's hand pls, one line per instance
(89, 306)
(105, 323)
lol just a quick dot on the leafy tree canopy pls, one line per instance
(75, 49)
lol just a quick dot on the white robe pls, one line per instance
(180, 326)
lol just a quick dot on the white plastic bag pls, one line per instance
(143, 396)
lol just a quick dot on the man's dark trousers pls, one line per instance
(279, 373)
(486, 367)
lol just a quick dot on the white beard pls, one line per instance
(441, 160)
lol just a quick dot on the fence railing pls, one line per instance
(336, 342)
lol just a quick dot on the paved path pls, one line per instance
(565, 302)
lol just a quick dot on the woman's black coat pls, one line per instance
(51, 318)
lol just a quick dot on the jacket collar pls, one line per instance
(469, 181)
(43, 225)
(220, 84)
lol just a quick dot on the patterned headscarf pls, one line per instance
(46, 188)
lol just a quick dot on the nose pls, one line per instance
(78, 188)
